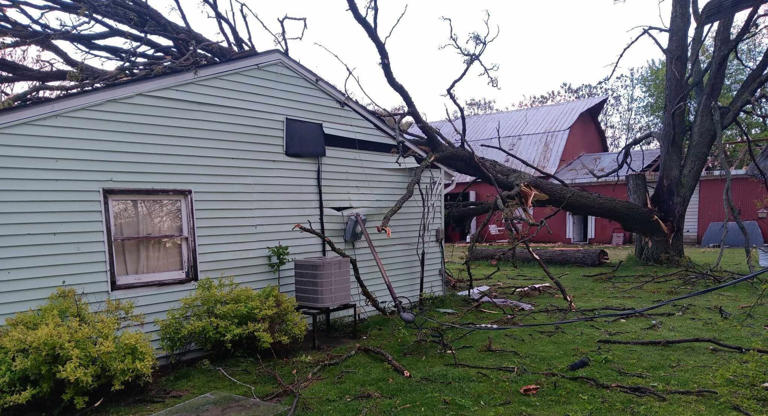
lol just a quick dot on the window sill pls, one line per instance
(152, 283)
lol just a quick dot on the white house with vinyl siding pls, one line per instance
(205, 152)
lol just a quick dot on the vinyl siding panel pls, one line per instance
(221, 137)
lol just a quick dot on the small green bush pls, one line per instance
(222, 316)
(278, 257)
(64, 350)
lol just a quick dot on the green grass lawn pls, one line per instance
(367, 385)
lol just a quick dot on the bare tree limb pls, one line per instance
(128, 39)
(666, 342)
(415, 180)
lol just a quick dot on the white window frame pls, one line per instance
(188, 248)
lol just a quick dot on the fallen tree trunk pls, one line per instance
(583, 257)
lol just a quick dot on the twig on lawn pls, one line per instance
(294, 405)
(636, 390)
(253, 389)
(487, 327)
(297, 386)
(755, 303)
(310, 376)
(453, 282)
(506, 369)
(630, 373)
(387, 356)
(665, 342)
(511, 226)
(584, 310)
(741, 410)
(490, 348)
(615, 269)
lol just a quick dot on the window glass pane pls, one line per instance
(148, 256)
(146, 217)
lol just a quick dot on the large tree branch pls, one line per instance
(129, 39)
(433, 137)
(415, 180)
(632, 217)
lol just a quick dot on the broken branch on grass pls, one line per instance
(506, 369)
(370, 350)
(568, 298)
(741, 410)
(294, 405)
(253, 389)
(488, 327)
(635, 390)
(666, 342)
(615, 269)
(490, 348)
(387, 356)
(296, 387)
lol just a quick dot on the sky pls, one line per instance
(541, 44)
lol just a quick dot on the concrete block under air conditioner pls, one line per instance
(322, 281)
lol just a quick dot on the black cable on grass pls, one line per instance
(492, 327)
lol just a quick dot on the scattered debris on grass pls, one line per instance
(741, 410)
(666, 342)
(489, 347)
(610, 272)
(534, 290)
(502, 368)
(581, 363)
(530, 389)
(637, 390)
(481, 294)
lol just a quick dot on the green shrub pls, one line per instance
(222, 316)
(64, 350)
(278, 257)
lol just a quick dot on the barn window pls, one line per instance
(151, 237)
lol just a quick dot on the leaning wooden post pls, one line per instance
(637, 192)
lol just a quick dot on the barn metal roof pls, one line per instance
(537, 134)
(577, 171)
(762, 162)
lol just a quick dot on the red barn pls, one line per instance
(547, 137)
(566, 139)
